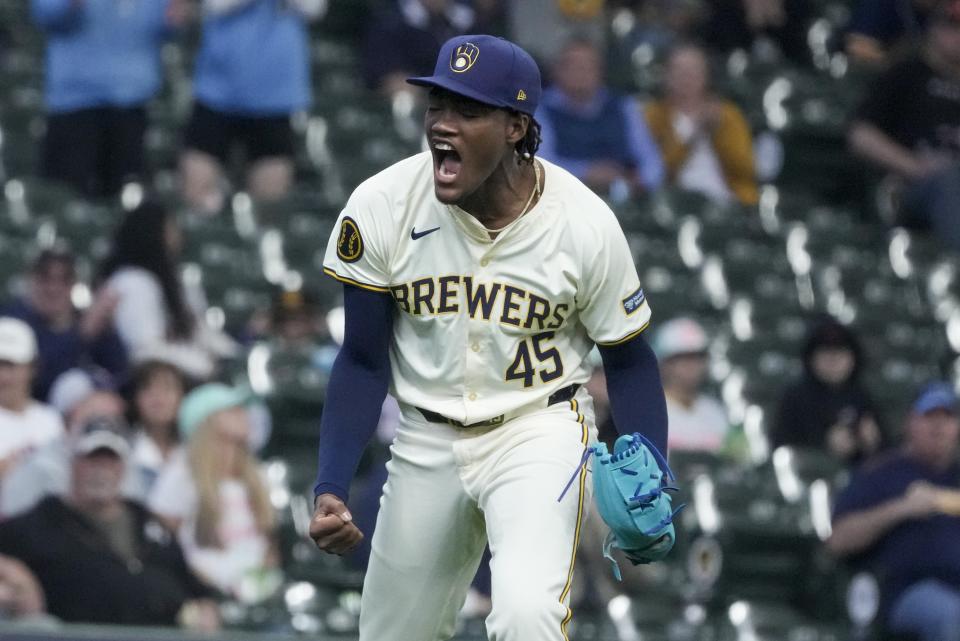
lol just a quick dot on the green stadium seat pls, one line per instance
(678, 203)
(686, 465)
(642, 216)
(200, 230)
(294, 387)
(740, 540)
(15, 257)
(673, 293)
(38, 197)
(87, 228)
(305, 234)
(808, 465)
(764, 619)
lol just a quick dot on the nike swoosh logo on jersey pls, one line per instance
(414, 234)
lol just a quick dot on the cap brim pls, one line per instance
(926, 408)
(102, 441)
(195, 410)
(936, 397)
(443, 82)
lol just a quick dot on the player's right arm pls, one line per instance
(359, 256)
(358, 384)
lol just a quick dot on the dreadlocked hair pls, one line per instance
(527, 146)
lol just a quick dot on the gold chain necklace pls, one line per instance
(526, 208)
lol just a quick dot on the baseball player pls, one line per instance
(477, 278)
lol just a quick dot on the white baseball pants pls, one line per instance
(451, 490)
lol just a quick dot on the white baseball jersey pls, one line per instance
(485, 327)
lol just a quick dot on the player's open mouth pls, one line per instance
(446, 161)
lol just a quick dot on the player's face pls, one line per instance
(469, 141)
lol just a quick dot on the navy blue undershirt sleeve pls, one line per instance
(358, 384)
(636, 393)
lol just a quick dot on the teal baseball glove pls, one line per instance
(632, 491)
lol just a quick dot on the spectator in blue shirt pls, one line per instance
(65, 338)
(103, 66)
(252, 74)
(596, 134)
(899, 517)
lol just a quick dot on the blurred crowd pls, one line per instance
(130, 451)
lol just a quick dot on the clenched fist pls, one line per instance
(332, 527)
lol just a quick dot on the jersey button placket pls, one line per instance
(474, 377)
(474, 358)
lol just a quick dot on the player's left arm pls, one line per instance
(636, 393)
(615, 313)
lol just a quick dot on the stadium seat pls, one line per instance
(643, 217)
(767, 620)
(304, 235)
(38, 197)
(673, 293)
(15, 257)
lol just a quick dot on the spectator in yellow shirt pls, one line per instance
(705, 140)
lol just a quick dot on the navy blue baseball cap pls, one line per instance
(487, 69)
(937, 395)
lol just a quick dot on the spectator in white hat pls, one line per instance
(697, 421)
(24, 422)
(80, 396)
(99, 557)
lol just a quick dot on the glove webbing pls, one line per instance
(661, 461)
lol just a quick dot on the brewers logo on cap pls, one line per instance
(350, 243)
(464, 57)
